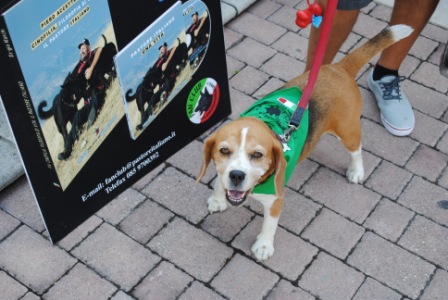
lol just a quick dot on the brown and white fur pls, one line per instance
(246, 151)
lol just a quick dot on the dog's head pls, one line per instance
(245, 153)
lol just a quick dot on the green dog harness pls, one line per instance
(276, 110)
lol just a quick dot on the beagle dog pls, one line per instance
(246, 151)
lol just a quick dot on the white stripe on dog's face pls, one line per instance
(242, 156)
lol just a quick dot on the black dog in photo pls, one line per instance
(76, 86)
(204, 102)
(144, 92)
(165, 80)
(65, 103)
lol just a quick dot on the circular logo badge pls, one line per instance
(203, 100)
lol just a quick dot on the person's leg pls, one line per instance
(344, 19)
(415, 13)
(397, 115)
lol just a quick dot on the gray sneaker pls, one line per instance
(397, 115)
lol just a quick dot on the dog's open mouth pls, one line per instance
(235, 197)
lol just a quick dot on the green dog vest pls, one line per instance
(276, 110)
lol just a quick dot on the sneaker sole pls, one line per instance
(396, 131)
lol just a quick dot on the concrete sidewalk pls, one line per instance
(384, 239)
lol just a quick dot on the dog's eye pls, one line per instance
(224, 151)
(256, 154)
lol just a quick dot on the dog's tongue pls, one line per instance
(236, 194)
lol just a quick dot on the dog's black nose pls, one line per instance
(237, 177)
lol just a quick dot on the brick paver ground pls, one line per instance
(386, 238)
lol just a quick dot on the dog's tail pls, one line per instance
(354, 61)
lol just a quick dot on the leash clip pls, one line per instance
(287, 134)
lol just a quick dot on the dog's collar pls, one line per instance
(275, 111)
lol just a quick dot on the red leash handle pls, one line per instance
(330, 11)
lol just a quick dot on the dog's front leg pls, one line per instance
(263, 248)
(217, 201)
(355, 171)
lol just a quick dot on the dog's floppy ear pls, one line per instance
(280, 167)
(207, 155)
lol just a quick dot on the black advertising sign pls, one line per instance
(98, 93)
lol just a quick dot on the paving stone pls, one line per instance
(423, 47)
(249, 25)
(433, 247)
(329, 278)
(189, 159)
(352, 42)
(443, 180)
(391, 265)
(438, 287)
(283, 17)
(199, 291)
(115, 256)
(180, 194)
(264, 9)
(231, 37)
(79, 233)
(30, 296)
(234, 66)
(248, 80)
(368, 26)
(120, 207)
(423, 197)
(240, 102)
(378, 141)
(7, 224)
(442, 145)
(427, 163)
(285, 290)
(242, 278)
(291, 256)
(121, 296)
(332, 190)
(389, 220)
(245, 52)
(80, 283)
(428, 130)
(425, 100)
(18, 201)
(226, 225)
(193, 250)
(145, 180)
(164, 282)
(297, 211)
(10, 288)
(425, 75)
(283, 67)
(303, 171)
(271, 85)
(338, 158)
(145, 221)
(333, 233)
(33, 260)
(372, 289)
(389, 180)
(9, 160)
(293, 45)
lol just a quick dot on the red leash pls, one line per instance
(330, 11)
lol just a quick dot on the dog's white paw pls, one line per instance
(216, 205)
(263, 248)
(355, 175)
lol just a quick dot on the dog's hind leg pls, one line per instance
(351, 138)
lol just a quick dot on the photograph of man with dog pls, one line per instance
(158, 63)
(72, 82)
